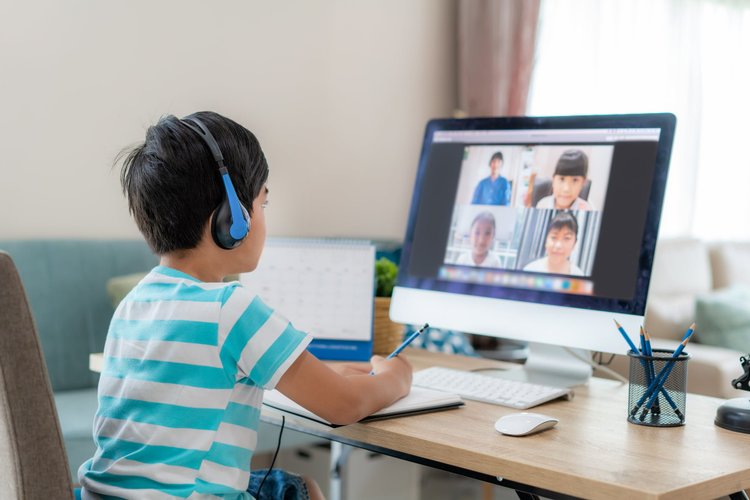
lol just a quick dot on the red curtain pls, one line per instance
(496, 40)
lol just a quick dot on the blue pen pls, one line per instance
(406, 343)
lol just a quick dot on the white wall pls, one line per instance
(338, 92)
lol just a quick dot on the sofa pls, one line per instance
(687, 271)
(65, 281)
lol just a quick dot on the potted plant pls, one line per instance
(386, 335)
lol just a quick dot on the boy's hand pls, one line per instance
(398, 365)
(348, 369)
(345, 399)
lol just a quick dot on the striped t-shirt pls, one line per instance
(185, 366)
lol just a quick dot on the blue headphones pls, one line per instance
(231, 222)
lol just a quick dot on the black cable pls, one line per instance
(601, 358)
(283, 420)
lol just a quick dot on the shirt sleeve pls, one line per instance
(255, 341)
(536, 266)
(463, 260)
(477, 193)
(546, 202)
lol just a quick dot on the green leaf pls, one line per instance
(386, 272)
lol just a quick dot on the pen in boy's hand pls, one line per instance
(406, 343)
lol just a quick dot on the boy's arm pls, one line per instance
(477, 191)
(345, 399)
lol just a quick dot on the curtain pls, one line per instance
(496, 40)
(688, 57)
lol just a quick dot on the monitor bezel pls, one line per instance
(637, 305)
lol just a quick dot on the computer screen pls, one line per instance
(535, 228)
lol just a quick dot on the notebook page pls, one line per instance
(418, 398)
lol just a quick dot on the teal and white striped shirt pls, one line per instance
(185, 366)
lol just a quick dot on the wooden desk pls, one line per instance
(592, 453)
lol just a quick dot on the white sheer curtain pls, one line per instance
(687, 57)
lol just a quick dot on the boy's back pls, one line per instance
(186, 363)
(187, 357)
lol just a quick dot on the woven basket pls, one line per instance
(386, 335)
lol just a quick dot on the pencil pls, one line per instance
(627, 339)
(652, 370)
(406, 343)
(663, 373)
(663, 379)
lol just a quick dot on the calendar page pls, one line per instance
(324, 287)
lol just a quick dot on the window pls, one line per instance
(690, 58)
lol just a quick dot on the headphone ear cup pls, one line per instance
(221, 223)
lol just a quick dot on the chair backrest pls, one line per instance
(33, 463)
(543, 187)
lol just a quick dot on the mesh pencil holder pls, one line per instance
(658, 385)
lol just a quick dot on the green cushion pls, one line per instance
(119, 286)
(722, 318)
(65, 281)
(76, 411)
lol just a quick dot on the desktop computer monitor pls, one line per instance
(536, 229)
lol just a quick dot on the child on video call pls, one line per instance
(495, 189)
(481, 235)
(187, 357)
(561, 238)
(567, 182)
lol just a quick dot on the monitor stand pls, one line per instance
(550, 365)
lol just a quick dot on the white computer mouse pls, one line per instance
(523, 424)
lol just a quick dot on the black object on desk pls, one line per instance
(734, 415)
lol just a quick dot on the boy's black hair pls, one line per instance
(172, 182)
(561, 220)
(498, 155)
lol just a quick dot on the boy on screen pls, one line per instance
(567, 182)
(561, 238)
(495, 189)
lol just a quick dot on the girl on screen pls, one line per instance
(481, 235)
(562, 235)
(567, 182)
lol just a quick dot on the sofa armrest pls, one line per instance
(710, 369)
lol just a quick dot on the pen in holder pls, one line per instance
(658, 384)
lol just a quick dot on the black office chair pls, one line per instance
(543, 187)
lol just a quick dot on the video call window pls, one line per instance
(534, 209)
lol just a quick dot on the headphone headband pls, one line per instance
(231, 222)
(205, 134)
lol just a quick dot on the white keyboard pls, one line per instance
(477, 387)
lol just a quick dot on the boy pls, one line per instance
(570, 175)
(559, 243)
(187, 357)
(495, 189)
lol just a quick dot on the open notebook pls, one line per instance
(419, 400)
